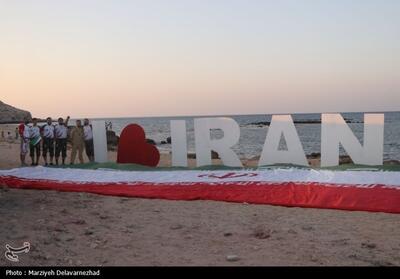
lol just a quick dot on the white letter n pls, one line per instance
(334, 130)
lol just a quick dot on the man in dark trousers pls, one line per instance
(35, 139)
(88, 136)
(61, 135)
(48, 140)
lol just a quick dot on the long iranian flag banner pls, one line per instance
(349, 190)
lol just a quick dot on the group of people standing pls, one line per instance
(52, 139)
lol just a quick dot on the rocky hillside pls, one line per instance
(9, 114)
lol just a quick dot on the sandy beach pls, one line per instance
(87, 229)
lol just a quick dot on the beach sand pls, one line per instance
(88, 229)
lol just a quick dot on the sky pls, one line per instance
(118, 58)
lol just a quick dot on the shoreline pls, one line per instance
(165, 153)
(9, 150)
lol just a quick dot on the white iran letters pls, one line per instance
(334, 132)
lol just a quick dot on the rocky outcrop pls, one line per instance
(151, 141)
(112, 138)
(214, 155)
(10, 114)
(306, 121)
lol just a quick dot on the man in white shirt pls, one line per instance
(88, 136)
(61, 135)
(48, 140)
(34, 132)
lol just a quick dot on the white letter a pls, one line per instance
(282, 125)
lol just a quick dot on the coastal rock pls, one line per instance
(10, 114)
(314, 155)
(311, 121)
(259, 124)
(391, 162)
(214, 155)
(112, 138)
(345, 160)
(151, 141)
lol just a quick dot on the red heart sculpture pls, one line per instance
(133, 148)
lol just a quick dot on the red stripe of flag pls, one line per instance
(377, 198)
